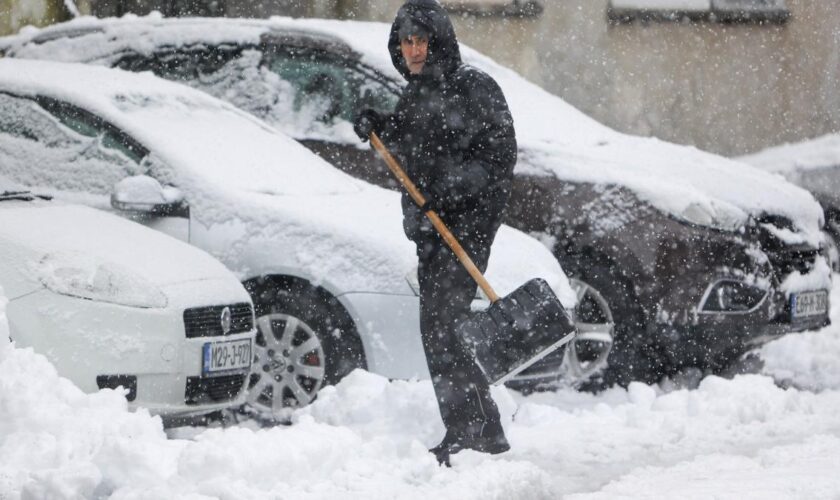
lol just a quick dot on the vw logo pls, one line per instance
(226, 320)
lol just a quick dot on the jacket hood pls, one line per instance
(444, 55)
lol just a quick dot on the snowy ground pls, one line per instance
(366, 438)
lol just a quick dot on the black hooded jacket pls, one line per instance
(451, 128)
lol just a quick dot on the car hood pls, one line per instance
(59, 236)
(351, 242)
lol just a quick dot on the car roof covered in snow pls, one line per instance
(555, 138)
(170, 117)
(821, 152)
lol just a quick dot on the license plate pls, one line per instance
(226, 356)
(807, 304)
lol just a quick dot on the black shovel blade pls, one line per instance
(516, 331)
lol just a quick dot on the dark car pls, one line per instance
(695, 258)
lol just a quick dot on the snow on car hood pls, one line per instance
(264, 197)
(79, 238)
(555, 138)
(351, 242)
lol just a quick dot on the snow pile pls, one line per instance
(57, 442)
(809, 360)
(367, 438)
(4, 326)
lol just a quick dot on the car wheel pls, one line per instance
(629, 358)
(586, 357)
(302, 345)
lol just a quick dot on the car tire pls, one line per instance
(630, 357)
(303, 343)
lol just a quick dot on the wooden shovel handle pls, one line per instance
(444, 231)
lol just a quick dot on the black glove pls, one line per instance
(367, 121)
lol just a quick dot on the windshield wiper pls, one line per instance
(22, 196)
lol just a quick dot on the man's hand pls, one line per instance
(436, 196)
(367, 121)
(442, 195)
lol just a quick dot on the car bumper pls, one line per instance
(97, 344)
(715, 339)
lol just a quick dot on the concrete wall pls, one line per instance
(15, 14)
(728, 88)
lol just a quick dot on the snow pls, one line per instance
(366, 438)
(555, 138)
(681, 5)
(246, 202)
(817, 278)
(817, 153)
(67, 249)
(808, 360)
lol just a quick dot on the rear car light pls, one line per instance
(730, 296)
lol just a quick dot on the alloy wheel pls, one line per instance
(587, 354)
(289, 364)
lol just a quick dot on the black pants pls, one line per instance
(446, 290)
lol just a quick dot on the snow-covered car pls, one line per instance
(814, 165)
(695, 257)
(323, 255)
(111, 303)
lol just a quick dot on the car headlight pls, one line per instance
(733, 297)
(714, 215)
(83, 277)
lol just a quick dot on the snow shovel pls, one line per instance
(515, 331)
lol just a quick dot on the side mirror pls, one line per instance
(144, 194)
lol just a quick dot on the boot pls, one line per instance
(442, 450)
(490, 442)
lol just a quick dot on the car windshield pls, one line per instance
(215, 142)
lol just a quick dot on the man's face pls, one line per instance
(415, 48)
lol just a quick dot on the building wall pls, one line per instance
(728, 88)
(15, 14)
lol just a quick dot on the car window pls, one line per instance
(89, 125)
(331, 88)
(44, 143)
(235, 76)
(184, 64)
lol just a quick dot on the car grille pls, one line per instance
(207, 321)
(214, 389)
(799, 260)
(785, 258)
